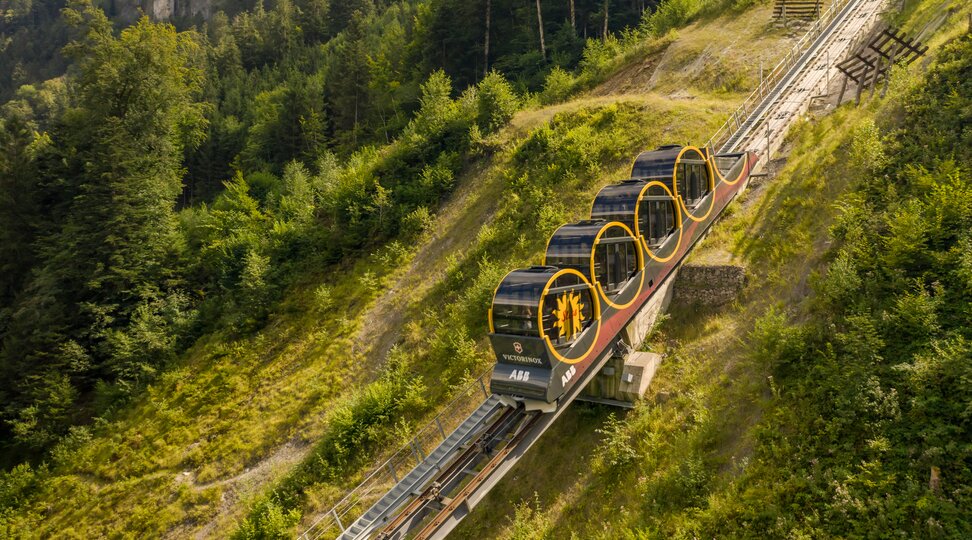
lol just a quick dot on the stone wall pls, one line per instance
(708, 285)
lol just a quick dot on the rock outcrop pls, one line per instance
(159, 10)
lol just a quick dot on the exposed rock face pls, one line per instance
(159, 10)
(162, 10)
(709, 286)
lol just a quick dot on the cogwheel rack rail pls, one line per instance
(429, 485)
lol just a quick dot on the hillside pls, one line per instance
(346, 299)
(830, 398)
(344, 365)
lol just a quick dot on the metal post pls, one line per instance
(860, 84)
(768, 132)
(439, 424)
(417, 452)
(483, 386)
(761, 79)
(877, 71)
(418, 449)
(391, 469)
(337, 519)
(887, 77)
(843, 87)
(827, 69)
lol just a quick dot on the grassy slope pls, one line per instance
(235, 415)
(678, 454)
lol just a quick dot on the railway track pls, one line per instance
(787, 90)
(447, 483)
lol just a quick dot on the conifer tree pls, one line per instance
(348, 81)
(114, 252)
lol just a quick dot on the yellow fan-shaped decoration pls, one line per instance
(569, 315)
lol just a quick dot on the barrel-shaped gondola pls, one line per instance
(685, 171)
(649, 209)
(543, 319)
(606, 253)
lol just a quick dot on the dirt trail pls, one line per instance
(236, 488)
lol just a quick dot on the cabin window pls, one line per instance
(656, 219)
(615, 262)
(519, 320)
(692, 181)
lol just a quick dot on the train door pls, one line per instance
(615, 262)
(656, 217)
(692, 179)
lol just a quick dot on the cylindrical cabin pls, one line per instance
(656, 164)
(543, 319)
(684, 170)
(648, 208)
(606, 253)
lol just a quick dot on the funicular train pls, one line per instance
(548, 324)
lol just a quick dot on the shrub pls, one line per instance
(529, 522)
(496, 102)
(616, 450)
(867, 149)
(669, 15)
(417, 223)
(323, 298)
(599, 56)
(253, 279)
(558, 86)
(776, 342)
(269, 521)
(16, 486)
(842, 282)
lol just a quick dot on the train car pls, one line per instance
(548, 324)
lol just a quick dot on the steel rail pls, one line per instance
(385, 469)
(773, 90)
(433, 492)
(796, 68)
(477, 481)
(774, 85)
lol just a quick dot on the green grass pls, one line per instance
(236, 417)
(691, 435)
(676, 465)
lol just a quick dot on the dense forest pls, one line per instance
(158, 183)
(178, 198)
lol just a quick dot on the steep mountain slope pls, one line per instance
(831, 398)
(357, 355)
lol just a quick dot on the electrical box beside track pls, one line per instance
(623, 380)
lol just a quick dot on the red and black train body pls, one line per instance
(548, 324)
